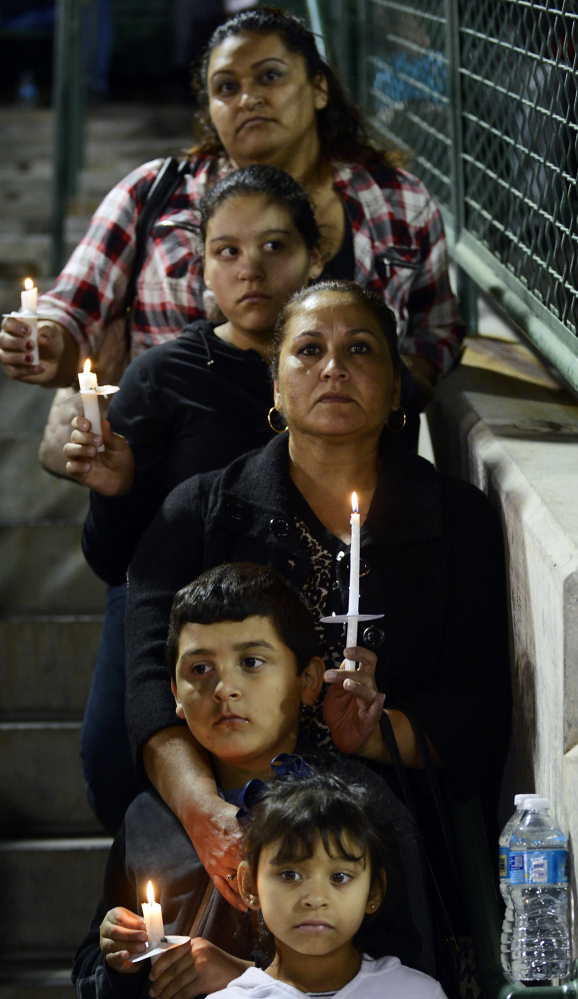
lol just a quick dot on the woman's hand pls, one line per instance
(195, 968)
(109, 472)
(122, 933)
(352, 705)
(57, 351)
(182, 773)
(217, 837)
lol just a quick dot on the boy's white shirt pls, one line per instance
(384, 976)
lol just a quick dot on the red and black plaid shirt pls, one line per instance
(398, 241)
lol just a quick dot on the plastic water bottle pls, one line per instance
(504, 870)
(539, 891)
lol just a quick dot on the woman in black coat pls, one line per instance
(431, 549)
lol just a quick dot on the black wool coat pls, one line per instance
(434, 553)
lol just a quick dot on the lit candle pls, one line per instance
(153, 918)
(89, 392)
(353, 608)
(29, 298)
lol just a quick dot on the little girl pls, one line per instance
(315, 872)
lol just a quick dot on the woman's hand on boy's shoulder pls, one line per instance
(352, 705)
(122, 934)
(218, 840)
(193, 969)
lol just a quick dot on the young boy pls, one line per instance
(241, 654)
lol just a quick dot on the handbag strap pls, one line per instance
(400, 770)
(422, 744)
(161, 190)
(205, 907)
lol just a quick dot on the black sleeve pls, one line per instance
(466, 709)
(91, 975)
(169, 556)
(114, 526)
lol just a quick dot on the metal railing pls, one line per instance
(484, 96)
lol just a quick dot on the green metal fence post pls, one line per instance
(68, 107)
(466, 288)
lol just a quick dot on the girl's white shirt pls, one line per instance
(375, 979)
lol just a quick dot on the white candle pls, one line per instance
(153, 918)
(354, 553)
(88, 390)
(29, 299)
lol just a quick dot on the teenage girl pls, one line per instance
(188, 406)
(315, 873)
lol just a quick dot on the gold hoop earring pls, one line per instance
(397, 430)
(276, 430)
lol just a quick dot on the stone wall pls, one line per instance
(501, 421)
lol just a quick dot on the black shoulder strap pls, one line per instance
(165, 183)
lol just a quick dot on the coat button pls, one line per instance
(373, 637)
(237, 509)
(279, 527)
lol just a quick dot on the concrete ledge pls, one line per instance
(502, 422)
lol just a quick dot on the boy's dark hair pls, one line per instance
(277, 186)
(342, 131)
(363, 297)
(298, 812)
(235, 591)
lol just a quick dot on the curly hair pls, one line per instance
(341, 128)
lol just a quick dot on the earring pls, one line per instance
(276, 430)
(397, 430)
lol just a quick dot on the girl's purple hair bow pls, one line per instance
(255, 790)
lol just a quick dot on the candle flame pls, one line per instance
(28, 284)
(354, 503)
(150, 893)
(87, 370)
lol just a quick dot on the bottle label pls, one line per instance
(504, 863)
(539, 867)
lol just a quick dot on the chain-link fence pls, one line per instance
(484, 95)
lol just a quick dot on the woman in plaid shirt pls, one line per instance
(266, 97)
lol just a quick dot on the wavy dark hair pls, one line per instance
(342, 130)
(274, 184)
(238, 590)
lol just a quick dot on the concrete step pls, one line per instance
(35, 980)
(41, 789)
(46, 665)
(23, 408)
(24, 254)
(44, 572)
(29, 492)
(50, 890)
